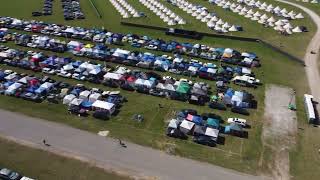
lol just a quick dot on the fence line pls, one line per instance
(96, 9)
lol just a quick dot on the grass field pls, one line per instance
(39, 164)
(238, 154)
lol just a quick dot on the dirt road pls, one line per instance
(104, 152)
(279, 129)
(311, 60)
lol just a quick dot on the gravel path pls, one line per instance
(104, 152)
(279, 129)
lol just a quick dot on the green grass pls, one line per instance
(39, 164)
(238, 154)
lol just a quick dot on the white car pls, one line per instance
(26, 178)
(239, 121)
(48, 71)
(64, 74)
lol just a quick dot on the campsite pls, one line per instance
(186, 77)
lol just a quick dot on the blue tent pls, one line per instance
(86, 104)
(40, 90)
(32, 89)
(211, 122)
(197, 120)
(2, 75)
(75, 92)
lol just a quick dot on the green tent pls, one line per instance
(183, 88)
(213, 122)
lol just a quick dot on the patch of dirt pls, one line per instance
(279, 129)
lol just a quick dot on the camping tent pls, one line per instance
(76, 102)
(104, 106)
(212, 133)
(183, 88)
(84, 94)
(94, 97)
(113, 76)
(215, 123)
(173, 124)
(186, 126)
(68, 99)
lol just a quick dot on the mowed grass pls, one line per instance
(39, 164)
(239, 154)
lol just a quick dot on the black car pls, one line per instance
(7, 174)
(216, 105)
(31, 97)
(240, 111)
(176, 133)
(204, 140)
(36, 13)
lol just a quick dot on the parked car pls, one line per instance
(239, 121)
(204, 140)
(7, 174)
(240, 111)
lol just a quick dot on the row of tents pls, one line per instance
(147, 60)
(163, 12)
(202, 14)
(102, 36)
(246, 9)
(132, 80)
(124, 8)
(78, 98)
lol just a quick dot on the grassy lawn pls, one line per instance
(239, 154)
(48, 165)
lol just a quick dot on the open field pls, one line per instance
(239, 154)
(39, 164)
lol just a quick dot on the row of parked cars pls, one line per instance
(239, 75)
(38, 89)
(227, 55)
(72, 9)
(8, 174)
(132, 80)
(47, 9)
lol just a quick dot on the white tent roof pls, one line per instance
(76, 102)
(187, 124)
(68, 98)
(103, 105)
(84, 94)
(297, 30)
(94, 97)
(212, 132)
(114, 76)
(173, 124)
